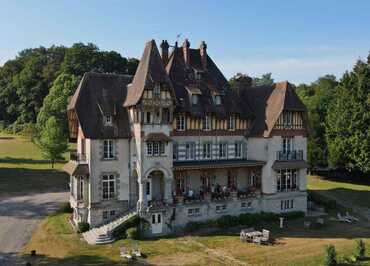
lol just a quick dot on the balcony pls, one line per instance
(296, 155)
(77, 157)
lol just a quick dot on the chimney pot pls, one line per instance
(164, 51)
(203, 54)
(185, 48)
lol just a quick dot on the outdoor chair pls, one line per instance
(350, 217)
(343, 219)
(265, 236)
(257, 239)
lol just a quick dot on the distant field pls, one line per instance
(23, 170)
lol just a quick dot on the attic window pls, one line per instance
(157, 91)
(217, 99)
(194, 99)
(108, 119)
(198, 75)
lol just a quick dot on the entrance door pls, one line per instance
(157, 223)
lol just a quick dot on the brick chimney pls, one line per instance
(185, 48)
(164, 51)
(203, 54)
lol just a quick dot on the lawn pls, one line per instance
(23, 170)
(346, 192)
(57, 244)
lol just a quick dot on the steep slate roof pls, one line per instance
(98, 95)
(213, 81)
(149, 71)
(268, 102)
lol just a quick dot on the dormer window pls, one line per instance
(180, 123)
(108, 119)
(157, 91)
(194, 99)
(198, 75)
(217, 99)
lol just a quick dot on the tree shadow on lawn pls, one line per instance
(25, 181)
(12, 160)
(81, 260)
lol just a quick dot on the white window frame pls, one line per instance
(181, 123)
(288, 119)
(155, 148)
(222, 150)
(108, 119)
(206, 122)
(194, 99)
(238, 149)
(287, 180)
(190, 150)
(108, 186)
(207, 150)
(108, 149)
(157, 91)
(231, 122)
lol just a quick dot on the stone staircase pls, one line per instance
(103, 234)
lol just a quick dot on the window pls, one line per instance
(180, 122)
(238, 149)
(157, 91)
(105, 215)
(165, 115)
(155, 148)
(80, 194)
(207, 150)
(190, 151)
(194, 212)
(198, 75)
(108, 186)
(175, 151)
(287, 180)
(231, 124)
(112, 213)
(221, 208)
(222, 150)
(194, 99)
(108, 149)
(286, 204)
(287, 119)
(148, 119)
(217, 99)
(108, 119)
(147, 188)
(206, 122)
(287, 145)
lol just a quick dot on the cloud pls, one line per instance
(296, 70)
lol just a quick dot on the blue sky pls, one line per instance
(295, 40)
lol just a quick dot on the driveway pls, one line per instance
(19, 216)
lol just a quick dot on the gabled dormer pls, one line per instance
(151, 97)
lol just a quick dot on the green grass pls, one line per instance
(57, 244)
(351, 193)
(24, 170)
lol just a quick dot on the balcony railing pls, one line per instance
(77, 157)
(289, 155)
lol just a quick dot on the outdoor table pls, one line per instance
(251, 235)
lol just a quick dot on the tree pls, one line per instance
(360, 249)
(348, 120)
(55, 103)
(240, 80)
(264, 80)
(317, 96)
(52, 142)
(331, 256)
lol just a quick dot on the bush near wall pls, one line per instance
(327, 203)
(247, 219)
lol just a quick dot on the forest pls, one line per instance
(37, 84)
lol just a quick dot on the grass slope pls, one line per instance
(23, 170)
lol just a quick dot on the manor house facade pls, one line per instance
(176, 144)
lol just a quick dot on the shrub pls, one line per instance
(65, 207)
(121, 231)
(360, 249)
(192, 226)
(227, 221)
(329, 204)
(83, 227)
(132, 233)
(331, 256)
(293, 215)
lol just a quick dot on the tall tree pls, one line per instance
(240, 80)
(348, 120)
(52, 142)
(265, 79)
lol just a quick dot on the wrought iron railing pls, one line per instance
(289, 155)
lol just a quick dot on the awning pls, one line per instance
(296, 164)
(75, 169)
(157, 137)
(216, 164)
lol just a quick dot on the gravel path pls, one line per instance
(19, 216)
